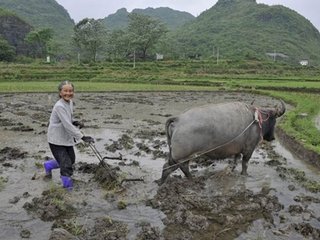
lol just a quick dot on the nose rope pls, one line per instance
(257, 118)
(265, 112)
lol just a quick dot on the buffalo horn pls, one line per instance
(280, 111)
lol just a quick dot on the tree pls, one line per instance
(40, 41)
(90, 37)
(169, 46)
(119, 44)
(144, 32)
(7, 52)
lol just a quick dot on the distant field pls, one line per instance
(249, 75)
(42, 86)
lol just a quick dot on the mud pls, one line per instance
(53, 204)
(278, 200)
(9, 153)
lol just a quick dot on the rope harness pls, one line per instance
(257, 118)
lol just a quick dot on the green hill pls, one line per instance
(172, 18)
(43, 14)
(118, 20)
(243, 29)
(231, 29)
(14, 30)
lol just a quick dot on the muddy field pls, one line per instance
(279, 199)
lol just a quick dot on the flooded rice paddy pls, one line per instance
(278, 200)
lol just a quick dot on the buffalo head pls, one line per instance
(269, 117)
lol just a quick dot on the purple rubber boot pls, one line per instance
(48, 166)
(67, 183)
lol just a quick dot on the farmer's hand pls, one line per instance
(87, 139)
(78, 124)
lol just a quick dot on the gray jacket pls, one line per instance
(61, 131)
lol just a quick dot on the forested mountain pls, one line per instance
(231, 29)
(172, 18)
(13, 31)
(43, 14)
(244, 29)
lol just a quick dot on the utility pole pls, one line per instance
(78, 57)
(217, 55)
(134, 59)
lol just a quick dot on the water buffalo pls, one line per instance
(218, 131)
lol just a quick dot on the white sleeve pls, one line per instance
(67, 123)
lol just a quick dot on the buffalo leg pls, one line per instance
(235, 161)
(166, 171)
(245, 160)
(185, 169)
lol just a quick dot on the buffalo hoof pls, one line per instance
(159, 182)
(244, 173)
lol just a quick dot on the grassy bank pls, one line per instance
(299, 122)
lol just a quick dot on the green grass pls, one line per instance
(299, 122)
(13, 87)
(278, 84)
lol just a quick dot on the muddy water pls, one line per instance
(218, 204)
(287, 192)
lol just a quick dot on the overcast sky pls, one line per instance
(79, 9)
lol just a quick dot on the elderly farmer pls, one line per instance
(63, 134)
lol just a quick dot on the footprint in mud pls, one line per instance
(306, 230)
(22, 128)
(9, 153)
(4, 122)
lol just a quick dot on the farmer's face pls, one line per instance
(67, 92)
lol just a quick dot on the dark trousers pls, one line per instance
(65, 156)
